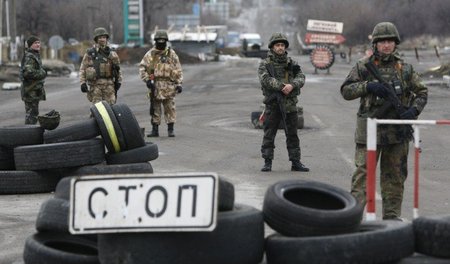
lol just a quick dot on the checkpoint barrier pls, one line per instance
(372, 159)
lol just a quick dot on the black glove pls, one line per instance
(84, 88)
(179, 89)
(410, 113)
(377, 89)
(117, 86)
(151, 86)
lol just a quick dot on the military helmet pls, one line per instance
(161, 34)
(100, 31)
(385, 30)
(50, 120)
(278, 37)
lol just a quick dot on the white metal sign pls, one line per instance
(325, 26)
(143, 203)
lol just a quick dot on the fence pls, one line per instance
(372, 159)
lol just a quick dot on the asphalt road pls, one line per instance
(214, 134)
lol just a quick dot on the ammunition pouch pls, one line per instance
(91, 74)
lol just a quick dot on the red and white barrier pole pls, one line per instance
(371, 168)
(416, 170)
(371, 159)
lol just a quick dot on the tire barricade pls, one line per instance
(313, 222)
(34, 160)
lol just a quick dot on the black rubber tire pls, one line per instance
(146, 153)
(433, 235)
(63, 188)
(59, 155)
(226, 195)
(375, 242)
(81, 130)
(24, 182)
(21, 135)
(58, 248)
(129, 125)
(53, 216)
(238, 238)
(105, 129)
(309, 208)
(7, 158)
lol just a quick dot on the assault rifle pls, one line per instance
(391, 99)
(278, 96)
(115, 74)
(152, 94)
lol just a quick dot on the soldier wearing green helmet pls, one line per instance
(161, 71)
(281, 79)
(398, 79)
(100, 74)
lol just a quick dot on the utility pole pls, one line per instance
(1, 18)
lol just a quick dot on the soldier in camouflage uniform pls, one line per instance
(33, 76)
(100, 74)
(392, 140)
(161, 70)
(278, 73)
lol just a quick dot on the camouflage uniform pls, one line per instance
(392, 140)
(166, 69)
(286, 71)
(32, 88)
(96, 70)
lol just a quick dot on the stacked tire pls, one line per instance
(76, 150)
(318, 223)
(27, 165)
(238, 238)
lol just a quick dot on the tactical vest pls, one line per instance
(161, 66)
(101, 67)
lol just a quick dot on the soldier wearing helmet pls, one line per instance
(100, 74)
(161, 71)
(32, 74)
(401, 80)
(280, 78)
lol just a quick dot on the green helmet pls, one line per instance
(278, 37)
(100, 32)
(161, 34)
(50, 120)
(385, 30)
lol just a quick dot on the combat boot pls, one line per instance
(155, 132)
(267, 165)
(170, 132)
(298, 166)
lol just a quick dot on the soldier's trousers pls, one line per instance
(31, 112)
(271, 124)
(393, 172)
(102, 90)
(170, 114)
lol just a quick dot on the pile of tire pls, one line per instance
(319, 223)
(76, 150)
(33, 160)
(238, 237)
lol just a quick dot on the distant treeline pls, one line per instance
(78, 18)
